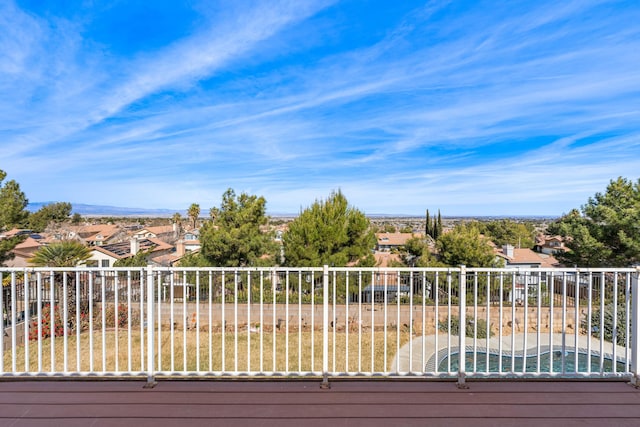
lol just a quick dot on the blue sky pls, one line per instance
(470, 107)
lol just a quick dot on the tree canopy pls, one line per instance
(433, 227)
(606, 230)
(506, 231)
(329, 232)
(54, 212)
(7, 245)
(234, 237)
(464, 245)
(13, 203)
(418, 253)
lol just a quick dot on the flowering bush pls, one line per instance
(46, 328)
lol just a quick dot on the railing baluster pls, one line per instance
(129, 329)
(313, 318)
(159, 320)
(261, 330)
(54, 328)
(39, 318)
(325, 327)
(359, 321)
(235, 322)
(300, 322)
(601, 326)
(185, 320)
(538, 320)
(449, 294)
(551, 280)
(286, 323)
(423, 360)
(346, 323)
(248, 321)
(526, 322)
(4, 325)
(564, 316)
(411, 332)
(436, 319)
(397, 368)
(210, 289)
(500, 316)
(334, 321)
(172, 322)
(514, 321)
(223, 287)
(635, 325)
(78, 322)
(462, 315)
(615, 324)
(589, 325)
(116, 285)
(197, 323)
(14, 321)
(103, 304)
(372, 311)
(488, 321)
(475, 321)
(150, 325)
(386, 314)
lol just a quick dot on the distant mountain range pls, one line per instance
(98, 210)
(116, 211)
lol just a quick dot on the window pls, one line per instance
(105, 263)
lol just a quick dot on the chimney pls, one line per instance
(180, 251)
(135, 246)
(508, 250)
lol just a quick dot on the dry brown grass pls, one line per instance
(302, 352)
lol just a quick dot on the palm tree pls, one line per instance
(67, 253)
(194, 213)
(176, 218)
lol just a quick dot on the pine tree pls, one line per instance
(439, 225)
(427, 228)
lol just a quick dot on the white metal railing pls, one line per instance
(320, 322)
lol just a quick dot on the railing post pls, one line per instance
(462, 328)
(635, 328)
(150, 320)
(325, 328)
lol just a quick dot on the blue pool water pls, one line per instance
(531, 363)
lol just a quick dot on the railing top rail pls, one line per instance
(510, 270)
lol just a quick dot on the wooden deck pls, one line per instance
(303, 403)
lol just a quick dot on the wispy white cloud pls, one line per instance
(449, 106)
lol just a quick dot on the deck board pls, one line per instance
(348, 402)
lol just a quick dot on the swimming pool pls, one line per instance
(546, 359)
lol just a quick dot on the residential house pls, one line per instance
(525, 258)
(550, 244)
(107, 255)
(390, 241)
(166, 233)
(23, 251)
(92, 235)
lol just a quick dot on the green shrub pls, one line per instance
(609, 332)
(469, 329)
